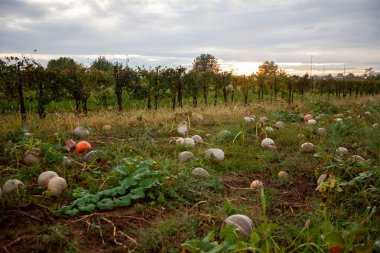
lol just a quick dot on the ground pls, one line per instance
(191, 207)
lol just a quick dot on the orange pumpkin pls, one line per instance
(307, 117)
(83, 146)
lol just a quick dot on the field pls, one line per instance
(145, 200)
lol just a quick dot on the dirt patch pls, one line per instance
(38, 230)
(295, 191)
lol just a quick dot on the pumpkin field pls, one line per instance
(263, 177)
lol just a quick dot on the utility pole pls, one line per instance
(344, 70)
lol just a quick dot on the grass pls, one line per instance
(193, 207)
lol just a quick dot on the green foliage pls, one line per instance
(135, 179)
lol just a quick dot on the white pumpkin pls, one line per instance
(251, 118)
(321, 132)
(307, 147)
(31, 158)
(185, 156)
(66, 161)
(267, 142)
(280, 125)
(214, 154)
(311, 122)
(81, 132)
(188, 142)
(56, 185)
(197, 138)
(263, 119)
(358, 158)
(269, 129)
(342, 150)
(179, 141)
(182, 129)
(241, 222)
(45, 177)
(200, 172)
(11, 185)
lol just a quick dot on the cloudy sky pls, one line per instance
(337, 34)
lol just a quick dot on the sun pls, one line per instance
(243, 68)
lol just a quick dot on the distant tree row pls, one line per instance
(64, 78)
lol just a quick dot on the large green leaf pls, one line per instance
(87, 208)
(123, 201)
(137, 193)
(105, 204)
(203, 246)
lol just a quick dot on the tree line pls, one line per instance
(64, 78)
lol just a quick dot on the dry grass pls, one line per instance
(63, 121)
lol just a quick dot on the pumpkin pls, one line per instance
(188, 142)
(197, 138)
(179, 141)
(263, 119)
(311, 122)
(185, 156)
(200, 172)
(321, 132)
(81, 132)
(66, 161)
(269, 129)
(251, 118)
(342, 150)
(83, 146)
(56, 185)
(358, 158)
(307, 147)
(280, 125)
(214, 154)
(283, 174)
(71, 144)
(307, 117)
(241, 222)
(267, 142)
(106, 128)
(256, 184)
(11, 185)
(45, 177)
(182, 129)
(31, 158)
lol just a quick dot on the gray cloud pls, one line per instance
(343, 31)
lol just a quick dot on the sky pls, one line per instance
(334, 35)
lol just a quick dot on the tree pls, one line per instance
(192, 86)
(117, 69)
(226, 78)
(72, 77)
(101, 63)
(267, 72)
(206, 62)
(206, 65)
